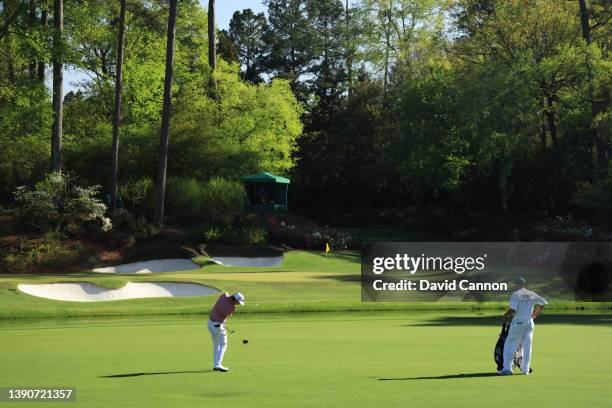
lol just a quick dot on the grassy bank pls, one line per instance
(305, 282)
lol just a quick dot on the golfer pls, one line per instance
(223, 308)
(522, 311)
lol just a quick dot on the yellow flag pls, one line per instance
(327, 248)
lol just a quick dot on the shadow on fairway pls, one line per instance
(578, 318)
(342, 278)
(153, 373)
(442, 377)
(353, 257)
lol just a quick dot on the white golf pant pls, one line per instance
(219, 341)
(521, 332)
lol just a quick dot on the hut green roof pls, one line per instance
(264, 177)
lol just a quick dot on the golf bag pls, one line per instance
(498, 354)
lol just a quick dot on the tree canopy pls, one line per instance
(486, 105)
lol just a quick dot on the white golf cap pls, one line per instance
(239, 297)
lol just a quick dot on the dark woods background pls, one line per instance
(468, 106)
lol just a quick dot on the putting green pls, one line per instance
(309, 360)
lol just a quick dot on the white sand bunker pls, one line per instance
(159, 265)
(89, 292)
(248, 261)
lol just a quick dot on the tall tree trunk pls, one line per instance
(543, 136)
(248, 72)
(117, 110)
(388, 34)
(552, 127)
(543, 127)
(10, 13)
(212, 57)
(32, 22)
(43, 26)
(160, 187)
(502, 182)
(349, 50)
(603, 157)
(9, 51)
(58, 85)
(597, 136)
(212, 44)
(386, 75)
(584, 21)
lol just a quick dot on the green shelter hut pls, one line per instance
(265, 193)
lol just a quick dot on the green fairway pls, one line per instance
(314, 360)
(367, 357)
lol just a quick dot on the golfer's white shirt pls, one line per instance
(522, 302)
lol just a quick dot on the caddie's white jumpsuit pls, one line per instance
(521, 329)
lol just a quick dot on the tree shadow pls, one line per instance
(153, 373)
(442, 377)
(577, 318)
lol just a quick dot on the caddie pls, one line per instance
(525, 306)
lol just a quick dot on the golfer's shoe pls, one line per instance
(506, 372)
(221, 368)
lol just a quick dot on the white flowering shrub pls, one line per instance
(565, 227)
(57, 203)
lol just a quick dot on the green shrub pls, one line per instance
(297, 233)
(128, 227)
(241, 231)
(184, 199)
(189, 200)
(595, 199)
(7, 226)
(137, 195)
(57, 203)
(29, 255)
(213, 233)
(244, 235)
(222, 198)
